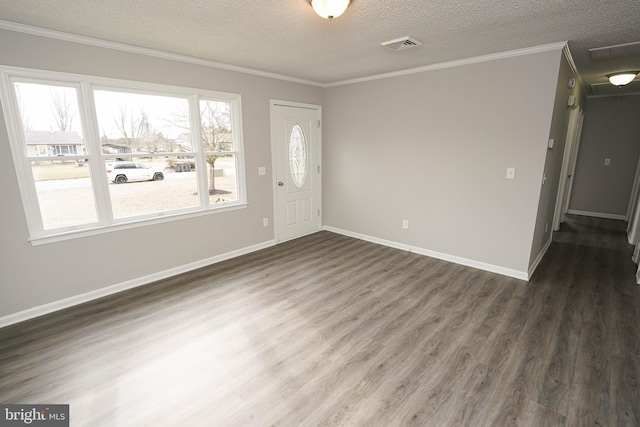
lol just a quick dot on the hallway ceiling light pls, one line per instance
(329, 9)
(621, 79)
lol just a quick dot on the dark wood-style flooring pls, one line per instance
(329, 330)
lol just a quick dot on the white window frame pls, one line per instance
(85, 86)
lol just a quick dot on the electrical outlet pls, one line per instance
(265, 222)
(511, 173)
(607, 162)
(405, 223)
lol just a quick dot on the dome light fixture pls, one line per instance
(329, 9)
(622, 79)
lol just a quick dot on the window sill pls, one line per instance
(143, 222)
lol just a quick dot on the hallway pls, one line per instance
(588, 282)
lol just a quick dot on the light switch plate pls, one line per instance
(262, 170)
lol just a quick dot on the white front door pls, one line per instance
(297, 170)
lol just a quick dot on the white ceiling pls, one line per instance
(286, 37)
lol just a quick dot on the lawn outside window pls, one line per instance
(94, 154)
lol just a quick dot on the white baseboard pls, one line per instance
(41, 310)
(522, 275)
(597, 215)
(541, 255)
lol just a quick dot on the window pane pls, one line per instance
(149, 139)
(148, 186)
(221, 171)
(298, 156)
(50, 120)
(64, 193)
(132, 123)
(216, 125)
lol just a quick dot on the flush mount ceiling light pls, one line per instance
(621, 79)
(329, 9)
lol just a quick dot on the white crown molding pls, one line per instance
(572, 64)
(456, 63)
(58, 35)
(574, 69)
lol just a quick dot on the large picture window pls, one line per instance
(95, 154)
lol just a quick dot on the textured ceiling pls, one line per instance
(286, 37)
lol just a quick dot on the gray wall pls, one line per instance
(31, 276)
(433, 148)
(553, 160)
(611, 130)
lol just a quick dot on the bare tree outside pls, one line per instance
(215, 119)
(138, 132)
(215, 128)
(63, 109)
(27, 124)
(130, 124)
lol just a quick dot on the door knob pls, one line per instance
(280, 184)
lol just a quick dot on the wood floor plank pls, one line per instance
(330, 330)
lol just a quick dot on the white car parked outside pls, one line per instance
(121, 172)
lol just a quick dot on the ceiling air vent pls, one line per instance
(402, 43)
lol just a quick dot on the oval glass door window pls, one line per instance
(298, 156)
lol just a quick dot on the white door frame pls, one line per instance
(633, 228)
(274, 178)
(574, 161)
(634, 193)
(633, 211)
(568, 166)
